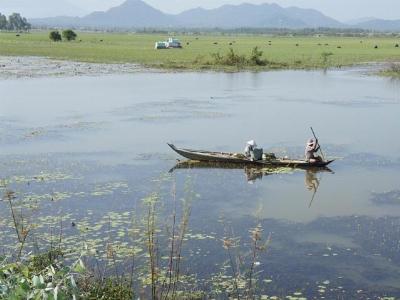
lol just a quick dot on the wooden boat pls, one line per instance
(232, 158)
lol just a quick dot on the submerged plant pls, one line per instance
(240, 281)
(166, 278)
(22, 229)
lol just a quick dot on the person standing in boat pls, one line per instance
(249, 150)
(312, 148)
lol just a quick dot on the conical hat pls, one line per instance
(252, 143)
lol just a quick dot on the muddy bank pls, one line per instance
(32, 67)
(12, 67)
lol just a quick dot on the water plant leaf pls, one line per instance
(55, 292)
(36, 281)
(80, 267)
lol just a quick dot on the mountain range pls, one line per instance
(138, 14)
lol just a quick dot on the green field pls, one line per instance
(281, 52)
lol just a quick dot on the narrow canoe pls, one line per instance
(225, 157)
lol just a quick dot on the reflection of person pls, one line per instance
(252, 174)
(312, 182)
(312, 147)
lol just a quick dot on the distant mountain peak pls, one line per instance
(133, 2)
(130, 2)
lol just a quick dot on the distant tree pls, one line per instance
(16, 22)
(69, 35)
(3, 22)
(55, 36)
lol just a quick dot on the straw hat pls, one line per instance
(310, 142)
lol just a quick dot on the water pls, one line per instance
(86, 147)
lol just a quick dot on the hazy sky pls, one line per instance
(340, 9)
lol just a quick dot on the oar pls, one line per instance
(315, 190)
(320, 149)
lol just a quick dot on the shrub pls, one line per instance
(55, 281)
(107, 289)
(69, 35)
(55, 36)
(231, 58)
(255, 57)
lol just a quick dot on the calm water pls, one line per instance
(86, 147)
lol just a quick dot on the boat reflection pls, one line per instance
(252, 174)
(255, 173)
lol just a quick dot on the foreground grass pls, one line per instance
(280, 52)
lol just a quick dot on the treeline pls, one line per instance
(14, 22)
(321, 31)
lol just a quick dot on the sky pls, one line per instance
(342, 10)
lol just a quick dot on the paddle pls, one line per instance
(312, 199)
(320, 149)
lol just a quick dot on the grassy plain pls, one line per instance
(280, 52)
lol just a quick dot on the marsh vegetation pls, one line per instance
(208, 51)
(148, 259)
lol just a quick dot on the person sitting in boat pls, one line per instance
(312, 147)
(249, 150)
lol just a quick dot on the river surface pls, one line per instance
(85, 150)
